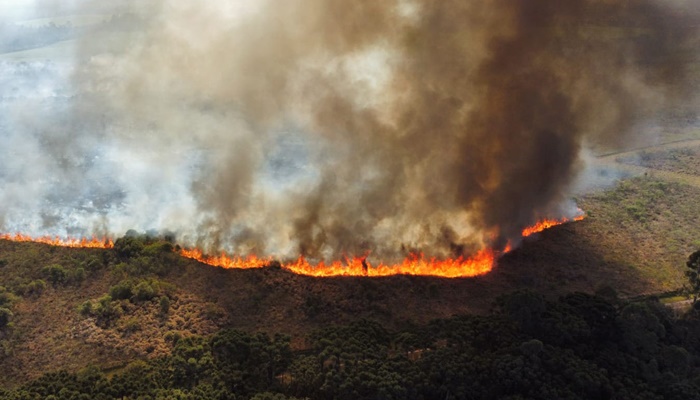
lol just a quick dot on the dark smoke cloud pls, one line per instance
(329, 127)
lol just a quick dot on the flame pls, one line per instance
(416, 264)
(548, 223)
(225, 261)
(92, 243)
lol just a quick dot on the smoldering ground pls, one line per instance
(329, 127)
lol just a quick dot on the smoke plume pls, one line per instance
(329, 127)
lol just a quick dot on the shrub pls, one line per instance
(121, 291)
(36, 287)
(128, 247)
(144, 291)
(131, 325)
(106, 310)
(93, 264)
(6, 297)
(85, 309)
(78, 275)
(55, 274)
(5, 316)
(164, 304)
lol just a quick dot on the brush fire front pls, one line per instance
(415, 264)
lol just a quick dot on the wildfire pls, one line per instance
(548, 223)
(92, 243)
(463, 267)
(417, 264)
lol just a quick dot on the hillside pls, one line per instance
(635, 240)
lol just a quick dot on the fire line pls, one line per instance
(416, 264)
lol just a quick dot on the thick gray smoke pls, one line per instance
(325, 127)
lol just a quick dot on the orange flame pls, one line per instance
(548, 223)
(463, 267)
(479, 264)
(416, 264)
(92, 243)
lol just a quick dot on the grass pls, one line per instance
(673, 299)
(649, 225)
(684, 160)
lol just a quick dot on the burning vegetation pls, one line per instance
(281, 129)
(415, 264)
(92, 243)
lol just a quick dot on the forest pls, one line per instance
(578, 346)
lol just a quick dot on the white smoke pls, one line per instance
(308, 126)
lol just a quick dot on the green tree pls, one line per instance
(55, 274)
(5, 316)
(164, 304)
(693, 274)
(144, 291)
(122, 291)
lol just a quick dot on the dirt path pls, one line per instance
(612, 160)
(678, 144)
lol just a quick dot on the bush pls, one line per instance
(6, 297)
(128, 247)
(5, 316)
(93, 264)
(121, 291)
(55, 274)
(131, 325)
(85, 309)
(78, 275)
(164, 304)
(106, 310)
(144, 291)
(36, 287)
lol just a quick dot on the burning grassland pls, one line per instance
(92, 243)
(415, 264)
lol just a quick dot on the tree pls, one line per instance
(55, 274)
(5, 315)
(693, 274)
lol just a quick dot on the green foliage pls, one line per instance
(131, 325)
(104, 309)
(139, 290)
(6, 297)
(55, 274)
(58, 275)
(576, 347)
(93, 264)
(33, 288)
(124, 290)
(5, 317)
(129, 246)
(86, 308)
(78, 275)
(144, 291)
(164, 304)
(142, 255)
(693, 273)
